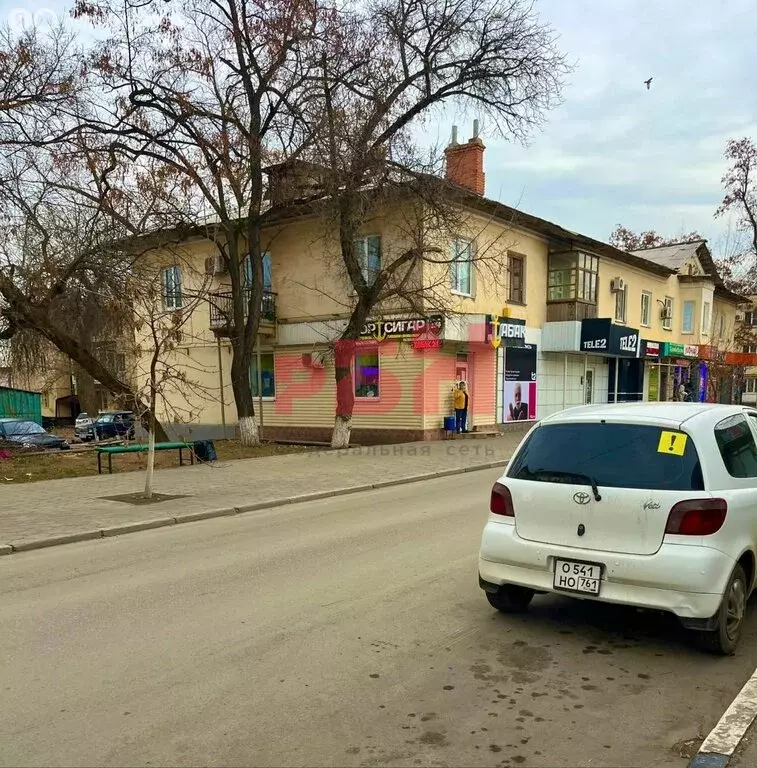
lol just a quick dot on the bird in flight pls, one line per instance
(648, 82)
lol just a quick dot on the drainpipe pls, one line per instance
(260, 389)
(617, 367)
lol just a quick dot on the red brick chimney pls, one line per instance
(465, 162)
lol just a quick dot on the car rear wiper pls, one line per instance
(588, 479)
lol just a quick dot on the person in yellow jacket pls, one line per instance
(461, 408)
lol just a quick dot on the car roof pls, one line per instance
(6, 420)
(646, 413)
(113, 413)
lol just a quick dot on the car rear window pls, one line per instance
(613, 455)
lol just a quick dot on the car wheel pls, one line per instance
(730, 618)
(510, 598)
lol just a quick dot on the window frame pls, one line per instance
(693, 305)
(374, 351)
(582, 272)
(518, 258)
(621, 302)
(667, 324)
(646, 295)
(267, 273)
(172, 306)
(456, 260)
(254, 374)
(361, 253)
(706, 318)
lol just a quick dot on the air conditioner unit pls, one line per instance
(617, 284)
(215, 265)
(739, 317)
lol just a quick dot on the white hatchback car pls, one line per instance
(651, 505)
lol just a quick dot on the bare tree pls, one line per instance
(386, 68)
(626, 239)
(210, 92)
(740, 184)
(164, 377)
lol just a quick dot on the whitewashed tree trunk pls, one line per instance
(340, 437)
(248, 430)
(150, 474)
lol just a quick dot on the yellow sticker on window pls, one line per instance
(673, 443)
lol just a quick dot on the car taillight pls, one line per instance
(697, 517)
(501, 502)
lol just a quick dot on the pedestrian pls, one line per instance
(461, 408)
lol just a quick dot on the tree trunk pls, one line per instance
(150, 473)
(240, 385)
(344, 355)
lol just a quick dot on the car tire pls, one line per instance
(730, 617)
(511, 598)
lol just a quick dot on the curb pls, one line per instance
(191, 517)
(724, 739)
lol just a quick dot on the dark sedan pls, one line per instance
(29, 434)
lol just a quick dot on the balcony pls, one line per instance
(558, 311)
(222, 313)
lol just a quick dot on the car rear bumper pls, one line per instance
(688, 581)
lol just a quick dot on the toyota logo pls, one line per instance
(581, 498)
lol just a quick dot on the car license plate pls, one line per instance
(574, 576)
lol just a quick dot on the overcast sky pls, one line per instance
(615, 152)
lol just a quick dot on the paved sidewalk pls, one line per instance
(36, 512)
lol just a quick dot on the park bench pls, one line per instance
(112, 450)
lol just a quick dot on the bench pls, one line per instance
(111, 450)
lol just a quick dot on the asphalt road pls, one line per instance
(346, 632)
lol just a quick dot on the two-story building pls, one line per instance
(565, 320)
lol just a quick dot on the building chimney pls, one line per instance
(464, 164)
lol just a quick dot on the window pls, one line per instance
(367, 374)
(706, 318)
(750, 349)
(750, 317)
(750, 385)
(368, 252)
(621, 298)
(267, 282)
(687, 324)
(667, 314)
(722, 326)
(171, 280)
(614, 455)
(736, 444)
(516, 265)
(462, 267)
(267, 376)
(572, 276)
(646, 308)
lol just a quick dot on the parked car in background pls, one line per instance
(29, 434)
(113, 424)
(83, 427)
(652, 505)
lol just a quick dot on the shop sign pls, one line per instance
(650, 349)
(507, 330)
(690, 350)
(603, 337)
(426, 343)
(519, 386)
(669, 349)
(403, 328)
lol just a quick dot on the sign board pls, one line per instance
(651, 349)
(672, 349)
(426, 343)
(403, 328)
(505, 330)
(519, 385)
(600, 336)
